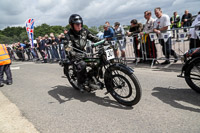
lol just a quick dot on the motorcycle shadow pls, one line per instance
(185, 99)
(66, 93)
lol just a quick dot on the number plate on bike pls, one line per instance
(110, 54)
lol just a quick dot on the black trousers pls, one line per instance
(194, 43)
(167, 47)
(81, 71)
(6, 69)
(137, 51)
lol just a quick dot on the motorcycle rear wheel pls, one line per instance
(192, 76)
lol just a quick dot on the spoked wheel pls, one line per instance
(192, 76)
(125, 88)
(71, 76)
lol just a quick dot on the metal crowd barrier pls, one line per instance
(35, 54)
(179, 45)
(152, 51)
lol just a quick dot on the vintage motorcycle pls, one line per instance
(191, 68)
(103, 72)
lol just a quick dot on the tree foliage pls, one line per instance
(18, 34)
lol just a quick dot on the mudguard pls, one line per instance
(122, 67)
(189, 62)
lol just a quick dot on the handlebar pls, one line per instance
(97, 43)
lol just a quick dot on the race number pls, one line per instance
(110, 54)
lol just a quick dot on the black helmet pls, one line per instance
(75, 19)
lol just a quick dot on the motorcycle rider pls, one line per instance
(77, 37)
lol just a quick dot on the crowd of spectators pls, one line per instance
(141, 35)
(51, 48)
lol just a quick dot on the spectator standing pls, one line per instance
(175, 23)
(109, 35)
(54, 42)
(134, 30)
(47, 46)
(5, 65)
(151, 51)
(120, 36)
(162, 25)
(14, 49)
(20, 51)
(186, 20)
(194, 40)
(41, 47)
(9, 51)
(61, 45)
(28, 49)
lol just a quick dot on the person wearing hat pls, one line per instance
(134, 30)
(121, 40)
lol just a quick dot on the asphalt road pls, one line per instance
(43, 95)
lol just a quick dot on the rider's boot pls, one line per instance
(81, 87)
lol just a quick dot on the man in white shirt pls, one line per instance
(162, 25)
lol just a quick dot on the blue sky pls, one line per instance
(94, 12)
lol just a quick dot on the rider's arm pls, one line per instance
(92, 38)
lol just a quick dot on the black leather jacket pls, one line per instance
(79, 40)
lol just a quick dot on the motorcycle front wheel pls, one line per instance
(123, 86)
(192, 76)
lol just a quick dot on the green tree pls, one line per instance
(67, 27)
(4, 39)
(93, 30)
(42, 30)
(101, 28)
(57, 29)
(15, 34)
(16, 39)
(11, 31)
(85, 26)
(23, 37)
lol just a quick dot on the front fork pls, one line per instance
(184, 68)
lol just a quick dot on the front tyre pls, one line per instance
(192, 76)
(123, 86)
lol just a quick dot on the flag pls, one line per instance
(30, 30)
